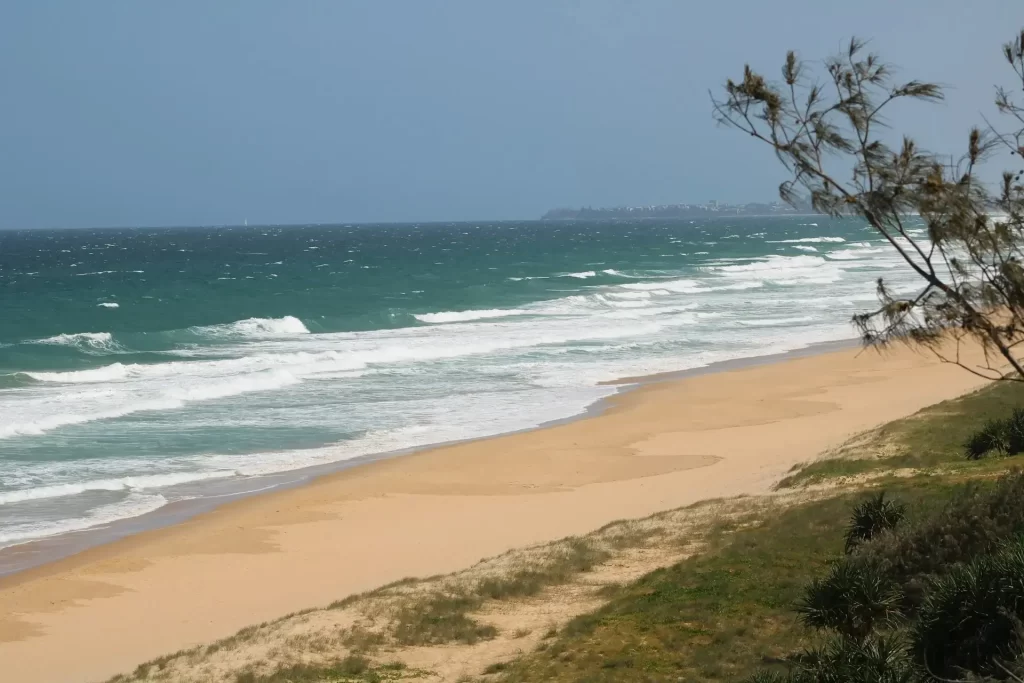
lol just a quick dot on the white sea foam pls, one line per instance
(628, 295)
(681, 286)
(463, 316)
(689, 286)
(108, 304)
(583, 275)
(775, 322)
(134, 505)
(805, 247)
(245, 384)
(86, 341)
(107, 373)
(774, 264)
(851, 254)
(55, 421)
(119, 484)
(785, 270)
(808, 239)
(122, 390)
(128, 403)
(254, 328)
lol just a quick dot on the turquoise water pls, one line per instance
(137, 367)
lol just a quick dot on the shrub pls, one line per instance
(871, 517)
(1015, 432)
(1002, 435)
(843, 660)
(853, 600)
(987, 439)
(977, 520)
(766, 676)
(973, 616)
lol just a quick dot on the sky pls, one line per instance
(127, 113)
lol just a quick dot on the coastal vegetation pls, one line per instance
(831, 133)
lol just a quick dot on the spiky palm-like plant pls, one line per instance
(854, 599)
(1004, 436)
(844, 660)
(971, 621)
(871, 517)
(991, 437)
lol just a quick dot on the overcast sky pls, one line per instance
(196, 113)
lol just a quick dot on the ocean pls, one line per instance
(142, 367)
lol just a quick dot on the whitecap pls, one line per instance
(463, 316)
(808, 239)
(107, 373)
(853, 254)
(87, 341)
(254, 328)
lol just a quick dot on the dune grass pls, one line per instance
(935, 436)
(445, 617)
(354, 669)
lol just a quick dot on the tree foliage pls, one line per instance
(831, 134)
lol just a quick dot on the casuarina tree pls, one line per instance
(829, 129)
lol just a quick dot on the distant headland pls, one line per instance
(709, 210)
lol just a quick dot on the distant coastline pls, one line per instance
(712, 209)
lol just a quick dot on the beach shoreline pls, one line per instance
(35, 553)
(667, 441)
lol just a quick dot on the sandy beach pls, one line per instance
(663, 445)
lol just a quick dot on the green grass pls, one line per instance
(718, 616)
(935, 436)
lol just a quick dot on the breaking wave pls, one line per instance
(254, 328)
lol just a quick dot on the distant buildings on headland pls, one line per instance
(709, 210)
